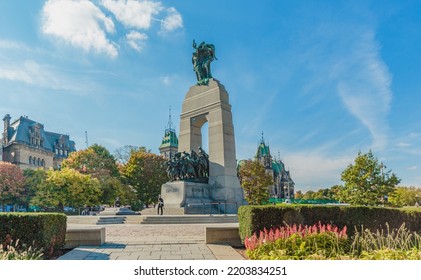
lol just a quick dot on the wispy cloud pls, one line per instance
(15, 74)
(364, 85)
(35, 74)
(7, 44)
(256, 117)
(25, 66)
(166, 80)
(409, 144)
(403, 145)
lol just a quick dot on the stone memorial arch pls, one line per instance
(207, 102)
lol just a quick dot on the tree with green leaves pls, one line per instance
(95, 160)
(11, 182)
(367, 181)
(255, 182)
(146, 173)
(33, 179)
(67, 187)
(309, 195)
(122, 154)
(405, 196)
(98, 162)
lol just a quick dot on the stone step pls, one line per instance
(190, 210)
(153, 219)
(82, 219)
(111, 220)
(133, 219)
(189, 219)
(167, 211)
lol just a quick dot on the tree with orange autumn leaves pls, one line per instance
(11, 182)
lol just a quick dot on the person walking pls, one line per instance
(160, 205)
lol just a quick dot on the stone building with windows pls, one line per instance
(283, 185)
(25, 143)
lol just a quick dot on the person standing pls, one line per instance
(160, 205)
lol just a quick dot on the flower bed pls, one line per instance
(321, 242)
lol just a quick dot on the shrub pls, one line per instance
(253, 219)
(46, 231)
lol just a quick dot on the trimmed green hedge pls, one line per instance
(43, 230)
(253, 219)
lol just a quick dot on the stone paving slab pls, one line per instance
(153, 242)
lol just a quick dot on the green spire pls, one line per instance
(170, 138)
(262, 149)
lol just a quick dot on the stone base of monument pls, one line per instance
(199, 198)
(183, 193)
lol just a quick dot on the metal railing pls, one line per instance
(218, 203)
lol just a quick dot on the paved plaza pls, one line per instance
(153, 242)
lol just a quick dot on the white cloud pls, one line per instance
(403, 145)
(166, 80)
(414, 135)
(412, 168)
(16, 75)
(132, 13)
(136, 39)
(6, 44)
(364, 84)
(33, 73)
(172, 21)
(29, 72)
(313, 170)
(80, 23)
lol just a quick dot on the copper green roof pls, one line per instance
(262, 150)
(170, 139)
(278, 167)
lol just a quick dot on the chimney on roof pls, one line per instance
(6, 121)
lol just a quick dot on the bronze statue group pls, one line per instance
(185, 166)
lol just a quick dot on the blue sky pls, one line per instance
(322, 79)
